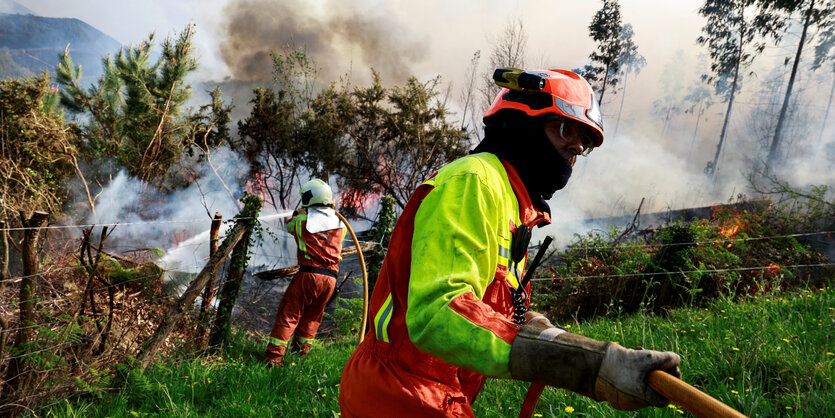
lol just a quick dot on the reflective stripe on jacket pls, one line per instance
(443, 302)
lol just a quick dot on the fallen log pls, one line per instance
(290, 271)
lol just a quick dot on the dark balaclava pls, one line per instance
(521, 141)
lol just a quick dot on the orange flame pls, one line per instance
(258, 184)
(729, 230)
(727, 227)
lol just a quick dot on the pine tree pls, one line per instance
(275, 138)
(134, 114)
(629, 61)
(386, 141)
(605, 29)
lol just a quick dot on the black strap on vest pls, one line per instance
(317, 270)
(520, 296)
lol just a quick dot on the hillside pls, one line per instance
(34, 43)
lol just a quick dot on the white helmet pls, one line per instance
(316, 192)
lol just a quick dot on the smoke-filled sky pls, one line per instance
(397, 37)
(401, 38)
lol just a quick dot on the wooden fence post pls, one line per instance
(208, 293)
(4, 256)
(245, 221)
(234, 278)
(4, 276)
(16, 374)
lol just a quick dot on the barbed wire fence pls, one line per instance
(70, 315)
(91, 309)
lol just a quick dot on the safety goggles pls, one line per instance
(569, 132)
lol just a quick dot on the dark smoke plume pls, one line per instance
(341, 36)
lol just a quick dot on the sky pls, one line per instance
(427, 38)
(440, 36)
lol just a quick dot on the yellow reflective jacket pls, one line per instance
(444, 295)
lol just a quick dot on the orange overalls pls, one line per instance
(303, 305)
(443, 302)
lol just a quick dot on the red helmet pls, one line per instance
(558, 92)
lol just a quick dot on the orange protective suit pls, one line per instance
(303, 305)
(443, 303)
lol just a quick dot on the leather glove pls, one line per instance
(531, 316)
(604, 371)
(622, 377)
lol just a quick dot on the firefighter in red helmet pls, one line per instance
(442, 307)
(319, 234)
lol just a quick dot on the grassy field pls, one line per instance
(769, 356)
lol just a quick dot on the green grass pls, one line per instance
(770, 356)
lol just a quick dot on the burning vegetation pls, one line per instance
(734, 253)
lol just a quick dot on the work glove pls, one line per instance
(531, 316)
(601, 370)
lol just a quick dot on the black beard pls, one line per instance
(524, 145)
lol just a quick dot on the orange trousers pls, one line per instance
(299, 313)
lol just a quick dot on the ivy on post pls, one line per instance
(381, 233)
(237, 267)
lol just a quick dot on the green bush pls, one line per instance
(347, 316)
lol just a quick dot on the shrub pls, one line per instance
(347, 316)
(735, 253)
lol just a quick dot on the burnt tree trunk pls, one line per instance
(4, 256)
(711, 170)
(826, 114)
(695, 130)
(620, 110)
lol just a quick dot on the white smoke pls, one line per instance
(178, 223)
(612, 180)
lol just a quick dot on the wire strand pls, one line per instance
(604, 276)
(179, 221)
(715, 241)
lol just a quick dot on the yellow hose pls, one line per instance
(364, 276)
